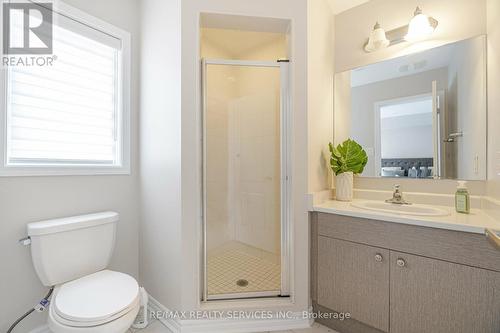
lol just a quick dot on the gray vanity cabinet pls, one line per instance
(403, 279)
(429, 295)
(354, 278)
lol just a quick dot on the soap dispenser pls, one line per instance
(462, 198)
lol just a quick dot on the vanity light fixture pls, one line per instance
(378, 39)
(420, 27)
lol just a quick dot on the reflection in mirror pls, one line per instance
(419, 116)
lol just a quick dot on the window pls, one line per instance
(70, 117)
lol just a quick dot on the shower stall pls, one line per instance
(246, 182)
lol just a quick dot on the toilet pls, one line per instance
(72, 255)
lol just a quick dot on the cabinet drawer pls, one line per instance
(454, 246)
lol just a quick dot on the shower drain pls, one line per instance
(242, 283)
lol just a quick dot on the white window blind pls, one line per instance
(69, 113)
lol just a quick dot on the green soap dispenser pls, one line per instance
(462, 198)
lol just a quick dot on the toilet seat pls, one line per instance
(95, 299)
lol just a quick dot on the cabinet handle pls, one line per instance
(378, 257)
(401, 262)
(493, 238)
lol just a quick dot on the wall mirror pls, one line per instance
(419, 116)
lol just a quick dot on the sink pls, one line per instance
(416, 210)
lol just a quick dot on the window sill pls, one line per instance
(39, 171)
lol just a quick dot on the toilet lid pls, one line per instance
(96, 297)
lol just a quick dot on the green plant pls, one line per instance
(348, 157)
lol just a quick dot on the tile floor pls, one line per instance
(157, 327)
(227, 266)
(236, 261)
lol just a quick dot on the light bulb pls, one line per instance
(378, 39)
(420, 26)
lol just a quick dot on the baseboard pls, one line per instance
(219, 325)
(171, 323)
(346, 326)
(229, 325)
(41, 329)
(243, 326)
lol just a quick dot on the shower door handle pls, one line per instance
(452, 137)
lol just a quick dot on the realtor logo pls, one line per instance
(27, 28)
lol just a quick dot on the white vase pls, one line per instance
(344, 184)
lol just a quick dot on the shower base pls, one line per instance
(236, 269)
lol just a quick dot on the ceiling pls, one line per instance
(340, 6)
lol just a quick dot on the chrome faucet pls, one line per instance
(397, 197)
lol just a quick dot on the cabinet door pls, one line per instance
(354, 278)
(429, 295)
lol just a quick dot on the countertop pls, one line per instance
(475, 222)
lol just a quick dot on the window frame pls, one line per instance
(123, 122)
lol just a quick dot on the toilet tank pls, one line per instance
(69, 248)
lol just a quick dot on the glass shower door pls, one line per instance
(243, 179)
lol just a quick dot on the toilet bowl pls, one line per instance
(105, 302)
(72, 255)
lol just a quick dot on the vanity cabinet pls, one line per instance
(403, 279)
(354, 278)
(429, 295)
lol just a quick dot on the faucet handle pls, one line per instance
(397, 196)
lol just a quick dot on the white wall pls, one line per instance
(408, 136)
(191, 149)
(467, 93)
(342, 114)
(28, 199)
(493, 98)
(229, 43)
(160, 242)
(256, 175)
(320, 81)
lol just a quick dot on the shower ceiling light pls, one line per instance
(378, 39)
(421, 26)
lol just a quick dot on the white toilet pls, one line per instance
(72, 254)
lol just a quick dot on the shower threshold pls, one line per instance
(257, 294)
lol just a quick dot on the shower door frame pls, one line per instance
(285, 175)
